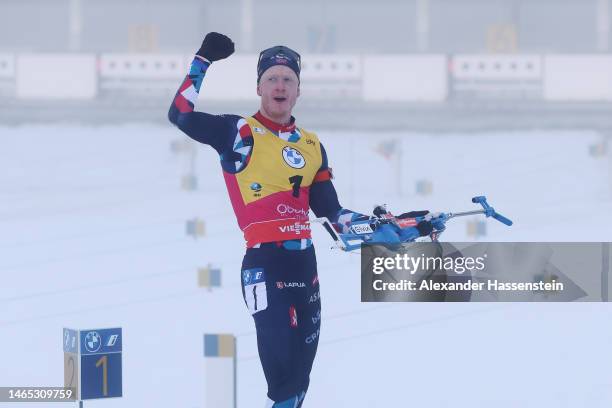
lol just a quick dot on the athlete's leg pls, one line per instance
(310, 323)
(270, 289)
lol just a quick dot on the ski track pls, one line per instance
(92, 234)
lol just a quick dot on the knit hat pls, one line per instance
(278, 55)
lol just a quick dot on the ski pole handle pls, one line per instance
(502, 219)
(490, 211)
(479, 199)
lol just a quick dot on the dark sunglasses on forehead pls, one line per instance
(280, 50)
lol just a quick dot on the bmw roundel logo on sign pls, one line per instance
(93, 341)
(293, 157)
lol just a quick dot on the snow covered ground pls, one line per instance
(92, 234)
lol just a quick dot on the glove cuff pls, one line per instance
(202, 58)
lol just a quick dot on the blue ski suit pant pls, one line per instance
(281, 290)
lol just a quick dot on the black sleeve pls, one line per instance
(323, 196)
(217, 131)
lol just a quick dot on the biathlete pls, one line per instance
(275, 172)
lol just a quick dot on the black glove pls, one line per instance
(376, 222)
(380, 210)
(216, 47)
(425, 228)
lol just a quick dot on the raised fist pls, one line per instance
(216, 46)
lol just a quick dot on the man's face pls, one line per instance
(279, 89)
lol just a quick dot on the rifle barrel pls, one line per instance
(466, 213)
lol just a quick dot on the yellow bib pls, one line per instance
(270, 195)
(277, 165)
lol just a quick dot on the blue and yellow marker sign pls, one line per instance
(92, 362)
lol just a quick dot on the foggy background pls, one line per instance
(420, 105)
(394, 27)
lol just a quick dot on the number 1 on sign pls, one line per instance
(103, 361)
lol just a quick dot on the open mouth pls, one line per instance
(280, 99)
